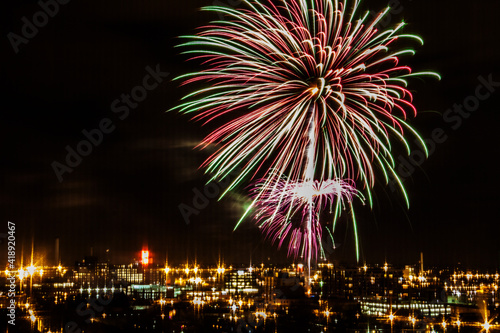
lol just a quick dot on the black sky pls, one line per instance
(126, 193)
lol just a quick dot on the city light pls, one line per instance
(261, 314)
(237, 287)
(145, 257)
(32, 316)
(31, 269)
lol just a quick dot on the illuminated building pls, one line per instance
(241, 281)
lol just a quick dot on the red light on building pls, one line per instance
(145, 257)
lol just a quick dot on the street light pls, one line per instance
(486, 326)
(31, 269)
(327, 315)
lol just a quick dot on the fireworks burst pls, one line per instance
(286, 210)
(312, 93)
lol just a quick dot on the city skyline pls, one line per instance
(128, 192)
(156, 297)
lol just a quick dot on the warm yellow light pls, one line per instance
(145, 257)
(486, 326)
(33, 318)
(167, 269)
(195, 270)
(314, 90)
(59, 268)
(443, 324)
(198, 301)
(187, 270)
(391, 317)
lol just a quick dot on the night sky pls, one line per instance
(126, 193)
